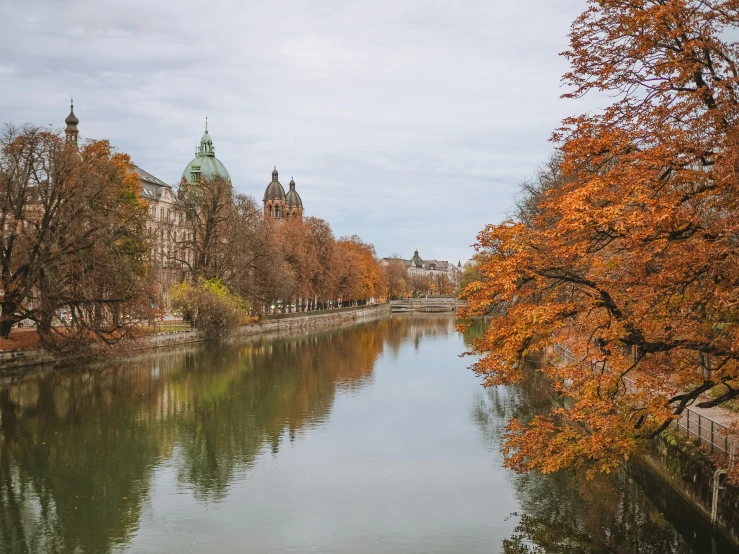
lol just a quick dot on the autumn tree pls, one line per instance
(73, 239)
(298, 251)
(248, 251)
(637, 247)
(357, 271)
(419, 285)
(547, 182)
(470, 274)
(396, 278)
(324, 278)
(440, 284)
(207, 208)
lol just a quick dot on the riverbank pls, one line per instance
(688, 455)
(690, 471)
(20, 359)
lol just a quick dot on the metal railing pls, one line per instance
(567, 356)
(706, 431)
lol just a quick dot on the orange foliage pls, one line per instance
(636, 248)
(358, 274)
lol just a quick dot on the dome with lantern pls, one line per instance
(205, 165)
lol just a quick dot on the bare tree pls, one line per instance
(72, 237)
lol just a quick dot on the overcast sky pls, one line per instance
(407, 122)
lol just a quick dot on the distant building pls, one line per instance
(280, 206)
(428, 268)
(169, 257)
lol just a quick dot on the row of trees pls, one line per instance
(292, 264)
(280, 265)
(624, 246)
(81, 259)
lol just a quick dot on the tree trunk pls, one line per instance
(7, 320)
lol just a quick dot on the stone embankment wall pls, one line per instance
(287, 323)
(689, 470)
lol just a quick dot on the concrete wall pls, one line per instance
(689, 471)
(304, 321)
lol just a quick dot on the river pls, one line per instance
(374, 438)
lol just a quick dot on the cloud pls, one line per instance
(408, 123)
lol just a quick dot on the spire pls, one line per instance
(292, 184)
(274, 174)
(71, 130)
(206, 143)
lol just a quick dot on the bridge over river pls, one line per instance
(430, 304)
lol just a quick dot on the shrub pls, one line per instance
(209, 306)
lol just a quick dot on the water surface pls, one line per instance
(375, 438)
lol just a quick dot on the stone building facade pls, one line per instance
(428, 268)
(169, 257)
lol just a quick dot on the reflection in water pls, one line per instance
(355, 440)
(78, 448)
(632, 512)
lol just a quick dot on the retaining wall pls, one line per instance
(690, 471)
(15, 359)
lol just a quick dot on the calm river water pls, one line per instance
(375, 438)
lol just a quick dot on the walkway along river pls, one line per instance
(373, 438)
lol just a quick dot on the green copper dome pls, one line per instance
(205, 165)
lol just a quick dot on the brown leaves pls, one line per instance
(631, 248)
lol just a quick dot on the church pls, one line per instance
(169, 255)
(278, 205)
(164, 221)
(159, 196)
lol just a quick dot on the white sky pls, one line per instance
(407, 122)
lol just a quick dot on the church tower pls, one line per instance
(278, 205)
(71, 121)
(274, 199)
(293, 203)
(205, 165)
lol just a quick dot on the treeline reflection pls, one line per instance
(79, 448)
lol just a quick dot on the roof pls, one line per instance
(151, 187)
(207, 167)
(416, 261)
(205, 164)
(274, 190)
(292, 198)
(71, 118)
